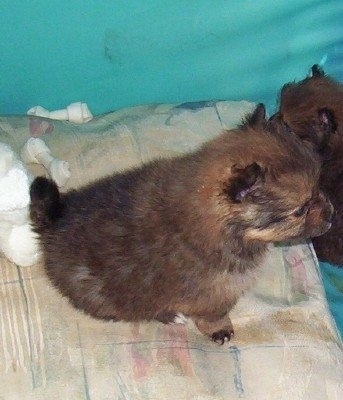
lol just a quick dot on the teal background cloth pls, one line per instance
(333, 284)
(117, 53)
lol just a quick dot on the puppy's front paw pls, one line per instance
(222, 336)
(219, 328)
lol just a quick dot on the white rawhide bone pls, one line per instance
(36, 151)
(75, 112)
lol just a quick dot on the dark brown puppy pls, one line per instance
(301, 101)
(320, 98)
(182, 235)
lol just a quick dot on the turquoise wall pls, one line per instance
(118, 53)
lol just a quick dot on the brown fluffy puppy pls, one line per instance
(182, 235)
(301, 101)
(319, 97)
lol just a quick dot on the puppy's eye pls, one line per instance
(301, 211)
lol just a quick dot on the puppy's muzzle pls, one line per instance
(328, 216)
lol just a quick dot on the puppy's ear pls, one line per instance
(276, 123)
(327, 121)
(318, 135)
(277, 115)
(257, 118)
(243, 181)
(316, 71)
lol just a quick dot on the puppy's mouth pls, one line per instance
(276, 235)
(324, 228)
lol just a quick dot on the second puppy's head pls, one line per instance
(313, 108)
(265, 182)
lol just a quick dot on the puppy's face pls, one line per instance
(271, 192)
(273, 205)
(316, 135)
(313, 108)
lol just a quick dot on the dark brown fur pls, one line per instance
(301, 101)
(183, 235)
(301, 105)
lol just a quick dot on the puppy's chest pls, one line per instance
(231, 285)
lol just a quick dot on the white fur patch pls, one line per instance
(180, 319)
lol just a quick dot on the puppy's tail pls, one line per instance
(46, 205)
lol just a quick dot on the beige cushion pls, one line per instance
(285, 346)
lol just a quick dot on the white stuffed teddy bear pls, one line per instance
(17, 240)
